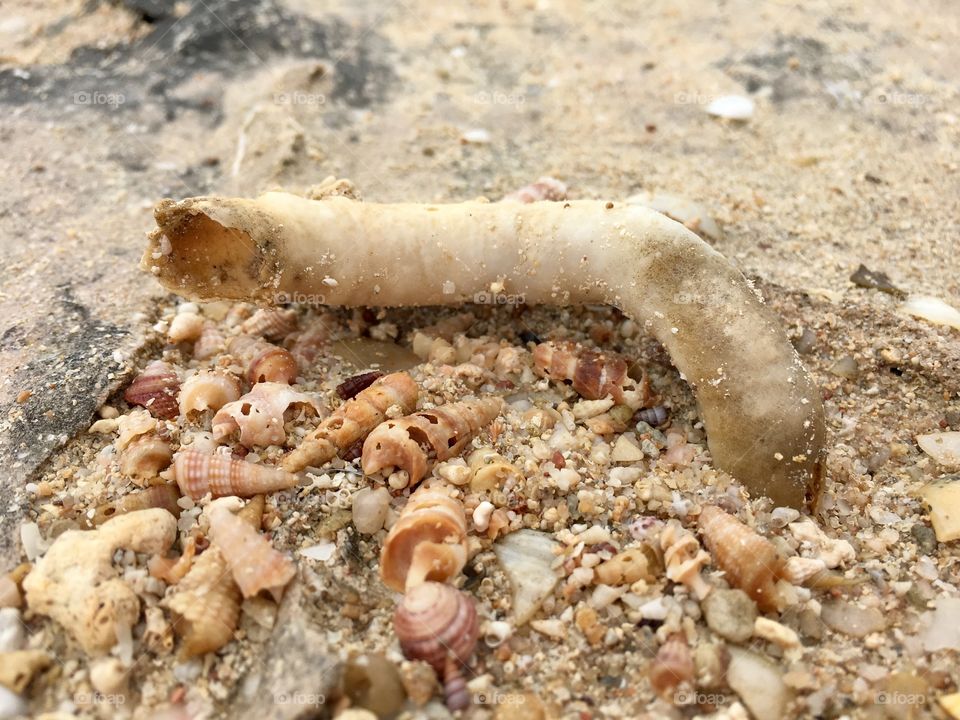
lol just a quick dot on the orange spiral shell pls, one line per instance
(156, 389)
(435, 621)
(270, 323)
(264, 361)
(750, 561)
(198, 474)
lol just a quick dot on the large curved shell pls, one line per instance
(443, 432)
(208, 390)
(352, 421)
(434, 622)
(259, 415)
(428, 541)
(750, 561)
(263, 362)
(155, 389)
(198, 474)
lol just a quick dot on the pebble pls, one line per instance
(732, 107)
(775, 632)
(759, 683)
(846, 367)
(11, 704)
(370, 509)
(926, 538)
(12, 637)
(943, 497)
(108, 676)
(851, 619)
(944, 447)
(731, 614)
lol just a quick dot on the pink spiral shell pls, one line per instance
(270, 323)
(198, 474)
(156, 389)
(435, 621)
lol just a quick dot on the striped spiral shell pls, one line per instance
(750, 561)
(198, 474)
(428, 541)
(155, 389)
(263, 361)
(434, 621)
(270, 323)
(654, 416)
(456, 694)
(211, 342)
(208, 390)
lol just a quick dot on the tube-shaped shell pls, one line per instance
(490, 470)
(270, 323)
(208, 390)
(750, 561)
(353, 420)
(155, 389)
(436, 621)
(683, 558)
(255, 564)
(198, 474)
(263, 362)
(145, 456)
(164, 495)
(211, 342)
(428, 541)
(259, 415)
(672, 665)
(443, 432)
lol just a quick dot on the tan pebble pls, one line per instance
(951, 703)
(522, 706)
(419, 680)
(775, 632)
(109, 676)
(588, 623)
(553, 627)
(799, 680)
(370, 509)
(23, 396)
(625, 568)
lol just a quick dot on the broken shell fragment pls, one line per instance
(208, 390)
(624, 568)
(411, 442)
(490, 470)
(932, 310)
(434, 621)
(198, 474)
(145, 457)
(759, 683)
(260, 414)
(17, 668)
(527, 558)
(750, 561)
(428, 541)
(155, 389)
(943, 497)
(592, 374)
(683, 558)
(944, 447)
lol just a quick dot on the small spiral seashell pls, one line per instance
(654, 416)
(263, 361)
(164, 495)
(546, 188)
(211, 342)
(173, 570)
(156, 390)
(683, 558)
(456, 694)
(198, 474)
(352, 386)
(411, 442)
(428, 541)
(186, 326)
(260, 414)
(270, 323)
(434, 621)
(208, 390)
(750, 561)
(490, 470)
(672, 665)
(307, 345)
(145, 457)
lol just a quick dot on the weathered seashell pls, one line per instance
(198, 474)
(263, 361)
(369, 509)
(173, 570)
(10, 595)
(626, 567)
(593, 375)
(435, 621)
(156, 390)
(255, 564)
(759, 683)
(18, 668)
(157, 633)
(186, 326)
(353, 420)
(163, 495)
(353, 385)
(270, 323)
(260, 414)
(76, 583)
(943, 497)
(428, 541)
(546, 188)
(750, 561)
(481, 352)
(443, 432)
(205, 605)
(208, 390)
(933, 310)
(307, 345)
(436, 350)
(944, 447)
(456, 695)
(133, 425)
(145, 457)
(654, 416)
(683, 558)
(527, 558)
(672, 666)
(490, 470)
(211, 342)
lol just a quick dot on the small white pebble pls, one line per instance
(481, 515)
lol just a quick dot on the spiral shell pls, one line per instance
(456, 694)
(208, 390)
(435, 621)
(264, 362)
(654, 416)
(683, 558)
(428, 541)
(593, 375)
(255, 564)
(173, 570)
(546, 188)
(198, 474)
(186, 326)
(270, 323)
(352, 386)
(259, 415)
(156, 390)
(352, 421)
(164, 495)
(412, 441)
(750, 561)
(145, 456)
(211, 342)
(134, 424)
(307, 345)
(672, 666)
(490, 470)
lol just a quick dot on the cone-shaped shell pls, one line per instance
(155, 389)
(198, 474)
(270, 323)
(435, 621)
